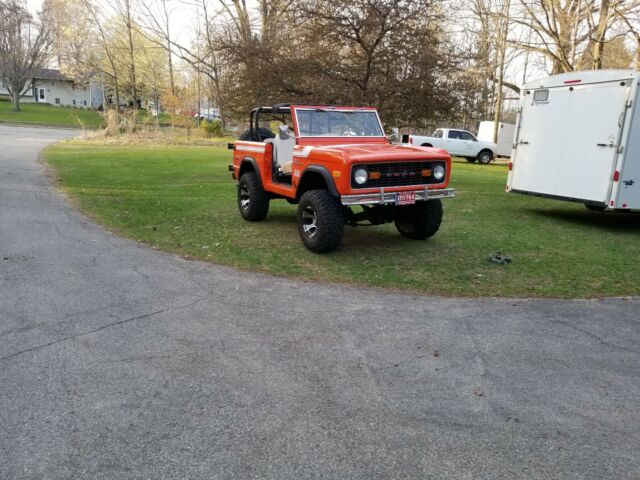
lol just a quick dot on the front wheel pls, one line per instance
(485, 157)
(419, 221)
(253, 201)
(320, 221)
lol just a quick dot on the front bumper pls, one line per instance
(382, 198)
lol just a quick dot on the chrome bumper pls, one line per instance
(383, 198)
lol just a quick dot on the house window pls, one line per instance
(57, 101)
(74, 102)
(84, 102)
(42, 94)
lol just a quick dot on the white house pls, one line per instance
(52, 87)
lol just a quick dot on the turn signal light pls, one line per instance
(374, 175)
(426, 173)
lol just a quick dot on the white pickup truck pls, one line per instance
(459, 143)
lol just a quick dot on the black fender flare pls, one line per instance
(254, 165)
(331, 186)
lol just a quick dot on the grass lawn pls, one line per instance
(44, 114)
(183, 200)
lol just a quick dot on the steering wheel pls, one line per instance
(348, 132)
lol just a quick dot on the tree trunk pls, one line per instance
(601, 33)
(16, 101)
(502, 51)
(132, 64)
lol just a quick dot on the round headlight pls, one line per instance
(438, 172)
(361, 176)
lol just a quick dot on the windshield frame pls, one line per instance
(336, 109)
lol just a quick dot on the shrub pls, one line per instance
(213, 129)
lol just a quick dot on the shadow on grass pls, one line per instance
(611, 221)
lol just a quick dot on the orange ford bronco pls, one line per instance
(328, 160)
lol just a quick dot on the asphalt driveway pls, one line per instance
(118, 362)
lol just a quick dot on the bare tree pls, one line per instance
(503, 32)
(566, 32)
(25, 42)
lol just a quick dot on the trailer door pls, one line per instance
(567, 141)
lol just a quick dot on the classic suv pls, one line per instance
(459, 143)
(328, 160)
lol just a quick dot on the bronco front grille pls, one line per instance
(397, 174)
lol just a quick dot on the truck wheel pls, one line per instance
(485, 157)
(471, 159)
(419, 221)
(253, 202)
(262, 132)
(320, 221)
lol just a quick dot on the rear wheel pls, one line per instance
(419, 221)
(485, 157)
(253, 201)
(320, 221)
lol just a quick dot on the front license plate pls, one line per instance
(405, 198)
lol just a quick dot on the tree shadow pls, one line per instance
(607, 220)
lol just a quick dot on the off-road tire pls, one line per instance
(485, 157)
(419, 221)
(249, 188)
(264, 133)
(595, 208)
(320, 221)
(471, 159)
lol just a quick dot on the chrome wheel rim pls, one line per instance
(309, 222)
(245, 200)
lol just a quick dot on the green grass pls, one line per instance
(42, 114)
(183, 200)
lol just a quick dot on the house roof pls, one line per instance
(50, 74)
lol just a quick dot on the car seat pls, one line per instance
(283, 146)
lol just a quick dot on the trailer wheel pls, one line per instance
(471, 159)
(419, 221)
(485, 157)
(595, 208)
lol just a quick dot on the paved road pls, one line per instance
(118, 362)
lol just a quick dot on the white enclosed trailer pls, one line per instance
(578, 138)
(505, 136)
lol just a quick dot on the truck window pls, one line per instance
(467, 136)
(454, 134)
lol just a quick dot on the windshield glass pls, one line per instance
(338, 123)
